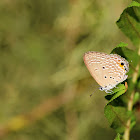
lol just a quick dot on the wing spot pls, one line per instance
(101, 88)
(122, 63)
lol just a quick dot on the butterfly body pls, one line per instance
(107, 69)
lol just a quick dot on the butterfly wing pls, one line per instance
(105, 69)
(93, 62)
(115, 73)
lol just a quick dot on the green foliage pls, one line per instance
(136, 97)
(119, 109)
(117, 117)
(117, 137)
(129, 22)
(115, 110)
(118, 91)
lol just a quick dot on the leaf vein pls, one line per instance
(132, 25)
(119, 118)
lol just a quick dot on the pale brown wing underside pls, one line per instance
(104, 68)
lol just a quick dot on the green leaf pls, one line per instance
(137, 0)
(118, 91)
(122, 44)
(136, 97)
(139, 83)
(118, 137)
(119, 88)
(129, 22)
(132, 124)
(133, 119)
(117, 117)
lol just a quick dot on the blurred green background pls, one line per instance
(44, 85)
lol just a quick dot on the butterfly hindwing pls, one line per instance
(107, 70)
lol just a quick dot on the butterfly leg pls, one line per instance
(104, 89)
(109, 91)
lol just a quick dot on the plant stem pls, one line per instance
(130, 106)
(126, 135)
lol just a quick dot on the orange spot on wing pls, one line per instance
(121, 66)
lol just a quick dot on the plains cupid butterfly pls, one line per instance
(107, 70)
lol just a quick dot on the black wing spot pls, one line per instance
(101, 88)
(103, 67)
(105, 77)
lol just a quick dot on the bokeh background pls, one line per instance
(44, 85)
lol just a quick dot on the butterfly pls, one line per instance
(107, 69)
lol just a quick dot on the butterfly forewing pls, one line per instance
(93, 63)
